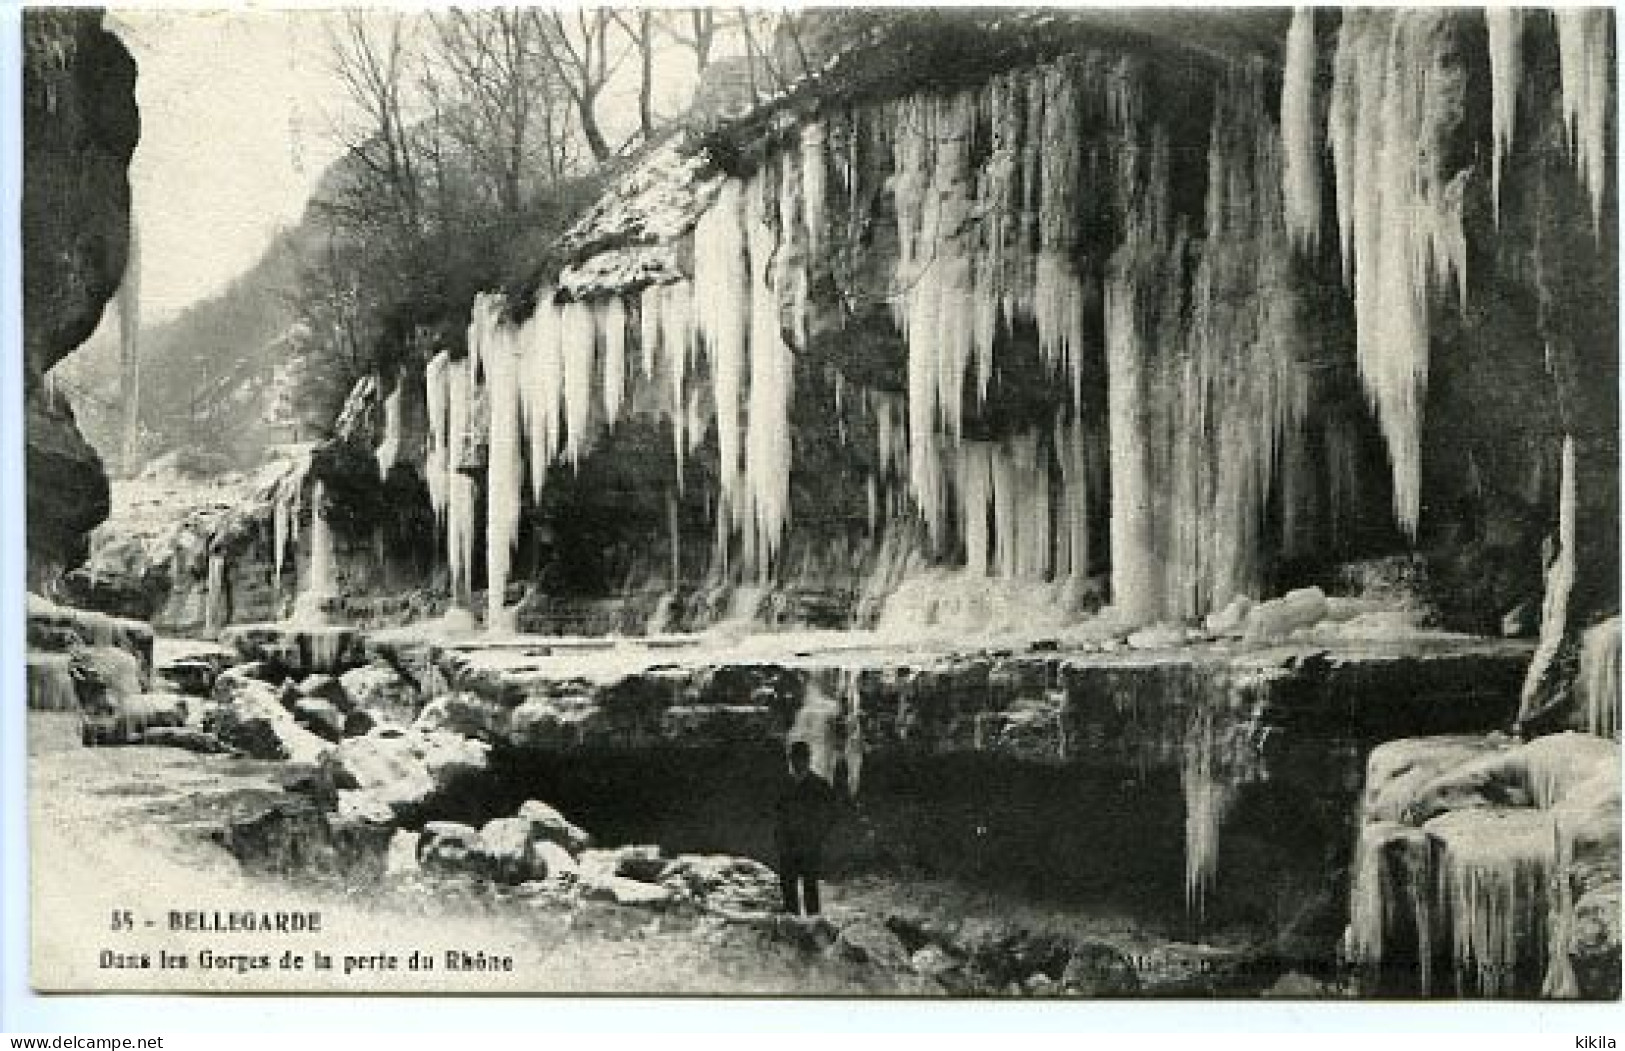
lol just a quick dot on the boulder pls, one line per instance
(465, 714)
(387, 768)
(313, 781)
(383, 691)
(61, 628)
(407, 770)
(720, 881)
(240, 677)
(450, 758)
(1098, 969)
(507, 851)
(868, 941)
(192, 667)
(364, 806)
(1231, 620)
(188, 738)
(1157, 637)
(554, 862)
(451, 848)
(643, 863)
(255, 722)
(1536, 774)
(123, 720)
(623, 891)
(548, 824)
(359, 723)
(1276, 619)
(298, 649)
(327, 688)
(102, 675)
(1398, 770)
(320, 716)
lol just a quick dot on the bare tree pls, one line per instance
(695, 29)
(577, 42)
(371, 56)
(503, 83)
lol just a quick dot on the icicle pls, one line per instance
(437, 458)
(676, 344)
(611, 320)
(504, 477)
(214, 601)
(1584, 35)
(767, 439)
(1394, 96)
(541, 389)
(1493, 873)
(975, 486)
(1300, 170)
(1135, 591)
(649, 329)
(50, 682)
(1505, 25)
(279, 541)
(722, 281)
(389, 450)
(311, 605)
(1058, 294)
(1560, 577)
(578, 338)
(818, 724)
(1599, 682)
(814, 185)
(460, 490)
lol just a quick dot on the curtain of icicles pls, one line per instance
(570, 371)
(1398, 97)
(1398, 94)
(989, 188)
(997, 191)
(1204, 388)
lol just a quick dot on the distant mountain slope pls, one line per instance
(208, 375)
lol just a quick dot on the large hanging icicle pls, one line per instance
(541, 386)
(578, 337)
(1598, 682)
(814, 185)
(722, 281)
(1396, 97)
(311, 605)
(1141, 295)
(676, 316)
(437, 458)
(389, 448)
(1300, 169)
(504, 479)
(1505, 27)
(1584, 36)
(460, 488)
(1058, 291)
(214, 599)
(609, 316)
(767, 440)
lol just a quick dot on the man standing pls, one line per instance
(806, 810)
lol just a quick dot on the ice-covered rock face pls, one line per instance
(1491, 864)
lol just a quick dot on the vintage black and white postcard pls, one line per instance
(994, 503)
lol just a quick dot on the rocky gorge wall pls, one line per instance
(80, 126)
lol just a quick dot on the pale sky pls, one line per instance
(237, 111)
(234, 135)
